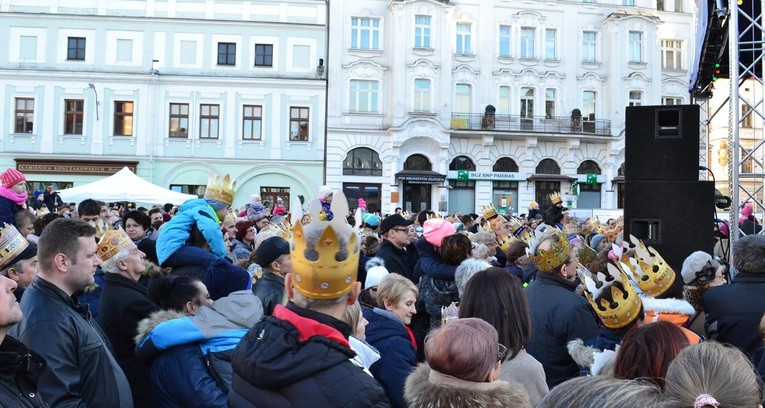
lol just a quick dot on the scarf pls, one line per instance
(18, 198)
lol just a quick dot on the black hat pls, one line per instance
(391, 221)
(271, 249)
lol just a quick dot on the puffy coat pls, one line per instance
(300, 358)
(190, 357)
(270, 290)
(733, 312)
(8, 210)
(176, 232)
(387, 333)
(20, 369)
(395, 260)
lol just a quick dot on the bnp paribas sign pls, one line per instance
(467, 175)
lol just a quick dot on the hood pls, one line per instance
(669, 306)
(383, 324)
(192, 203)
(582, 355)
(242, 308)
(148, 324)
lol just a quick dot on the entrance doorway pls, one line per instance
(416, 197)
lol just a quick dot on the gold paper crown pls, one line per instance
(586, 254)
(12, 243)
(327, 270)
(221, 190)
(572, 228)
(555, 198)
(611, 234)
(557, 254)
(526, 235)
(488, 211)
(648, 270)
(515, 224)
(405, 214)
(112, 243)
(505, 242)
(280, 230)
(613, 298)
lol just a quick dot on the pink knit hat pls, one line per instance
(435, 230)
(11, 177)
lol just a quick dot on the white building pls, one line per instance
(176, 89)
(409, 83)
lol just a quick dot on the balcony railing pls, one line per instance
(515, 123)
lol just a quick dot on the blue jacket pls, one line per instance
(8, 210)
(388, 335)
(91, 296)
(176, 232)
(190, 357)
(431, 264)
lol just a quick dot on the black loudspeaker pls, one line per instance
(662, 143)
(675, 217)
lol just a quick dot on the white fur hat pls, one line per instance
(376, 271)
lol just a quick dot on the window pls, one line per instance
(671, 100)
(209, 118)
(527, 103)
(75, 50)
(504, 41)
(549, 103)
(588, 105)
(747, 117)
(123, 118)
(196, 189)
(462, 98)
(371, 193)
(264, 55)
(362, 161)
(636, 46)
(678, 6)
(504, 100)
(179, 120)
(628, 2)
(298, 124)
(422, 95)
(550, 35)
(271, 194)
(25, 115)
(588, 46)
(252, 122)
(635, 99)
(660, 5)
(73, 113)
(363, 96)
(671, 54)
(463, 38)
(365, 33)
(226, 54)
(527, 43)
(421, 31)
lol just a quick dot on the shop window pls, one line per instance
(362, 162)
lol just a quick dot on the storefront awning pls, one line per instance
(420, 176)
(550, 177)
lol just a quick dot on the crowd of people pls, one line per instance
(204, 305)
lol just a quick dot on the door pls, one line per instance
(416, 197)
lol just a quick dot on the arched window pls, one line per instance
(620, 171)
(547, 166)
(417, 162)
(505, 164)
(588, 167)
(462, 163)
(362, 162)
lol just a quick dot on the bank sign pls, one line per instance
(467, 175)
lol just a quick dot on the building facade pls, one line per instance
(177, 90)
(451, 105)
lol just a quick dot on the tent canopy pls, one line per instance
(123, 186)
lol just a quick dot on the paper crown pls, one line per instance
(611, 234)
(221, 190)
(613, 298)
(525, 234)
(555, 256)
(648, 269)
(12, 243)
(112, 243)
(488, 211)
(325, 268)
(282, 229)
(586, 254)
(572, 228)
(555, 198)
(504, 242)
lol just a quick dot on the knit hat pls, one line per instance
(324, 192)
(724, 229)
(36, 194)
(376, 271)
(256, 212)
(279, 201)
(255, 199)
(699, 268)
(746, 211)
(435, 230)
(371, 220)
(11, 177)
(533, 205)
(362, 203)
(223, 277)
(595, 241)
(270, 250)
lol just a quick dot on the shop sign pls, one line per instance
(466, 175)
(91, 168)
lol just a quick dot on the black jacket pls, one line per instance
(733, 312)
(396, 260)
(81, 369)
(300, 358)
(270, 290)
(123, 304)
(558, 315)
(20, 368)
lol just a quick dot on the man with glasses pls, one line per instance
(394, 230)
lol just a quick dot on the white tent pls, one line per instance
(123, 186)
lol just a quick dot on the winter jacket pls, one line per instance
(558, 315)
(241, 250)
(431, 264)
(300, 358)
(190, 357)
(427, 388)
(675, 311)
(176, 232)
(270, 290)
(733, 312)
(81, 369)
(91, 296)
(527, 371)
(395, 260)
(514, 269)
(124, 303)
(20, 369)
(8, 210)
(387, 333)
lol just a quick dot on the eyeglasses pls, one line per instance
(401, 229)
(502, 352)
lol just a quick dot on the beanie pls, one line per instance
(693, 264)
(435, 230)
(11, 177)
(595, 241)
(376, 271)
(223, 277)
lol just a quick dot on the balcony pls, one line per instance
(516, 123)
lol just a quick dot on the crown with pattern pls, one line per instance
(12, 243)
(281, 229)
(648, 269)
(326, 269)
(555, 256)
(505, 242)
(112, 243)
(221, 190)
(586, 254)
(572, 228)
(611, 295)
(488, 211)
(525, 234)
(555, 198)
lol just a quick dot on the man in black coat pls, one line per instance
(124, 303)
(395, 239)
(733, 312)
(273, 255)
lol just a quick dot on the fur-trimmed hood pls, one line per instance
(594, 359)
(428, 388)
(674, 306)
(148, 324)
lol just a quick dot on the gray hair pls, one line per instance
(466, 270)
(110, 265)
(749, 254)
(484, 237)
(316, 304)
(262, 236)
(603, 392)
